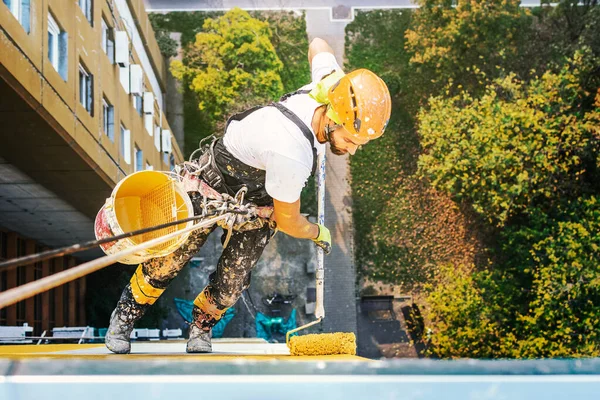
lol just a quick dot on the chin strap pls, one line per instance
(329, 130)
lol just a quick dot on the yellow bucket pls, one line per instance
(142, 200)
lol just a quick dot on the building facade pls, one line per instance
(82, 94)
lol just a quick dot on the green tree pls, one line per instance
(451, 37)
(231, 61)
(290, 41)
(559, 256)
(518, 145)
(462, 315)
(167, 46)
(543, 300)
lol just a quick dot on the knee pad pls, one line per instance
(142, 291)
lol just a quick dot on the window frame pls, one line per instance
(87, 9)
(138, 155)
(108, 119)
(108, 40)
(86, 89)
(125, 144)
(104, 34)
(55, 31)
(17, 10)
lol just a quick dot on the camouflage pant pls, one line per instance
(225, 285)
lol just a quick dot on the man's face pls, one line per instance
(342, 142)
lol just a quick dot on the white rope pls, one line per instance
(31, 289)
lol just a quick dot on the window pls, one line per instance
(3, 245)
(157, 130)
(3, 288)
(172, 159)
(76, 301)
(21, 309)
(57, 47)
(86, 7)
(137, 104)
(21, 10)
(108, 41)
(86, 89)
(52, 297)
(149, 166)
(139, 159)
(37, 300)
(126, 144)
(166, 157)
(108, 119)
(21, 280)
(66, 291)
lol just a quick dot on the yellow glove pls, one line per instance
(323, 240)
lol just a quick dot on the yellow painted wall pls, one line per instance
(24, 61)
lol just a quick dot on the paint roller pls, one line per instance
(323, 343)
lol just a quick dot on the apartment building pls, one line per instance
(82, 94)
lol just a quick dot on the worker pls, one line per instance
(272, 151)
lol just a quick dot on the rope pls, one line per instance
(231, 213)
(75, 248)
(31, 289)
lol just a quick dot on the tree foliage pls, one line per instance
(516, 143)
(500, 107)
(463, 319)
(288, 38)
(403, 228)
(450, 37)
(563, 305)
(290, 41)
(543, 301)
(373, 42)
(232, 59)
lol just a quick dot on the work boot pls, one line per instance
(118, 335)
(199, 341)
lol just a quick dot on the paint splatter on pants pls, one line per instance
(225, 285)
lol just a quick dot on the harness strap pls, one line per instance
(290, 115)
(302, 126)
(288, 95)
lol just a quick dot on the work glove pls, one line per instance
(324, 239)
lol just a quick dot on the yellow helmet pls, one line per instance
(360, 102)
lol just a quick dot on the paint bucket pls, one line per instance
(142, 200)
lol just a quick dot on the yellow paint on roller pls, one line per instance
(323, 344)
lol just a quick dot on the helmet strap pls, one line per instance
(328, 131)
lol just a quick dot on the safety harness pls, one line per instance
(227, 174)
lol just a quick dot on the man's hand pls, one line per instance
(324, 239)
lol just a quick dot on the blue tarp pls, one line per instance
(185, 309)
(267, 326)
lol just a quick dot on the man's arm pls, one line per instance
(290, 221)
(316, 46)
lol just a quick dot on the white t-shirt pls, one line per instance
(268, 140)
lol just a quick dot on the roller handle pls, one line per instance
(320, 273)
